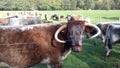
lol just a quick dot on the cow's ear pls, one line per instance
(63, 31)
(89, 29)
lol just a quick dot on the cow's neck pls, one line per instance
(66, 49)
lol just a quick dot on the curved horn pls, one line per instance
(57, 32)
(97, 28)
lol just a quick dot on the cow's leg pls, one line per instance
(108, 45)
(103, 38)
(108, 50)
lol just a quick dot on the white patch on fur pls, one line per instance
(103, 39)
(4, 64)
(48, 66)
(115, 38)
(108, 52)
(46, 60)
(26, 27)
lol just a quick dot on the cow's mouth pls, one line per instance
(77, 48)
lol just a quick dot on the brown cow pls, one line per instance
(75, 17)
(25, 46)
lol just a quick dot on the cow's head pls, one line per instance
(75, 33)
(74, 18)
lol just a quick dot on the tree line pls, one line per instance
(59, 4)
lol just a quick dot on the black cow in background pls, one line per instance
(55, 17)
(112, 37)
(103, 27)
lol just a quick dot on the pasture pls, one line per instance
(92, 55)
(94, 15)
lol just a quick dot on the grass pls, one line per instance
(92, 55)
(95, 15)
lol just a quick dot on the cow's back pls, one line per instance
(113, 33)
(28, 47)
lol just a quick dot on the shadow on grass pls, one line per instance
(111, 18)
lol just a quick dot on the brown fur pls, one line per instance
(23, 49)
(77, 17)
(26, 48)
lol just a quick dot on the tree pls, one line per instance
(106, 4)
(89, 4)
(59, 4)
(81, 4)
(65, 4)
(73, 4)
(117, 4)
(98, 4)
(56, 4)
(44, 5)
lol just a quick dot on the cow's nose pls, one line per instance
(77, 48)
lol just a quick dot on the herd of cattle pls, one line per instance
(26, 41)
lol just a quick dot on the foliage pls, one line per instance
(59, 4)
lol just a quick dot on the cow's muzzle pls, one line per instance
(77, 48)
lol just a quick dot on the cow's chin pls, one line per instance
(77, 48)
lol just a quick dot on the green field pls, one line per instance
(92, 55)
(95, 15)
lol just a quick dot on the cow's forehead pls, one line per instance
(26, 27)
(75, 23)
